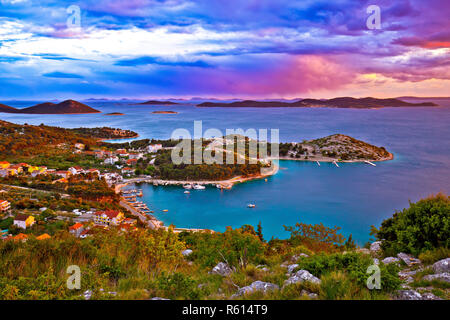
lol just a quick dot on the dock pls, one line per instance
(318, 163)
(371, 163)
(335, 163)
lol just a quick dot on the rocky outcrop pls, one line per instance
(442, 266)
(443, 277)
(291, 268)
(222, 269)
(390, 260)
(256, 286)
(414, 295)
(408, 295)
(187, 252)
(302, 276)
(408, 259)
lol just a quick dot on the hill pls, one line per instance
(7, 109)
(65, 107)
(159, 103)
(344, 102)
(334, 147)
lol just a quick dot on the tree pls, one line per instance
(424, 225)
(259, 232)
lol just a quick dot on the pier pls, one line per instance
(371, 163)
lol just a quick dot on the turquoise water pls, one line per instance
(352, 197)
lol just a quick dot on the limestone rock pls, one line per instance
(444, 277)
(302, 276)
(256, 286)
(408, 295)
(291, 267)
(442, 266)
(408, 259)
(222, 268)
(187, 252)
(390, 260)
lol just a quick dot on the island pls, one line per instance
(158, 103)
(165, 112)
(344, 102)
(65, 107)
(336, 147)
(115, 114)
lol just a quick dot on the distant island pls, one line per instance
(159, 103)
(65, 107)
(345, 102)
(165, 112)
(115, 114)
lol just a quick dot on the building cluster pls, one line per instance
(9, 169)
(102, 220)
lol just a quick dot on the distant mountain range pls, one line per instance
(65, 107)
(345, 102)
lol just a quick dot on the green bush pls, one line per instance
(425, 225)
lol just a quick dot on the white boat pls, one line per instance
(251, 205)
(199, 187)
(186, 192)
(187, 186)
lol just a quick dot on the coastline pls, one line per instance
(121, 138)
(154, 223)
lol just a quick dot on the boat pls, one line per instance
(187, 186)
(186, 192)
(165, 210)
(251, 205)
(199, 187)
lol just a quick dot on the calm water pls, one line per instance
(353, 196)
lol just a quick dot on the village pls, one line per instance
(117, 166)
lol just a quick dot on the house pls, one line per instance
(135, 156)
(23, 221)
(109, 217)
(128, 171)
(76, 170)
(131, 162)
(63, 173)
(5, 206)
(122, 153)
(99, 154)
(76, 229)
(154, 148)
(43, 236)
(4, 164)
(79, 146)
(85, 233)
(17, 167)
(34, 170)
(111, 160)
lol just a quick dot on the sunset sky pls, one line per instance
(223, 49)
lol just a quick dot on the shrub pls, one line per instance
(425, 225)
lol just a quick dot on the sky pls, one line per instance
(261, 49)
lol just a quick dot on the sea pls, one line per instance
(353, 196)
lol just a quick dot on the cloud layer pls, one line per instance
(245, 48)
